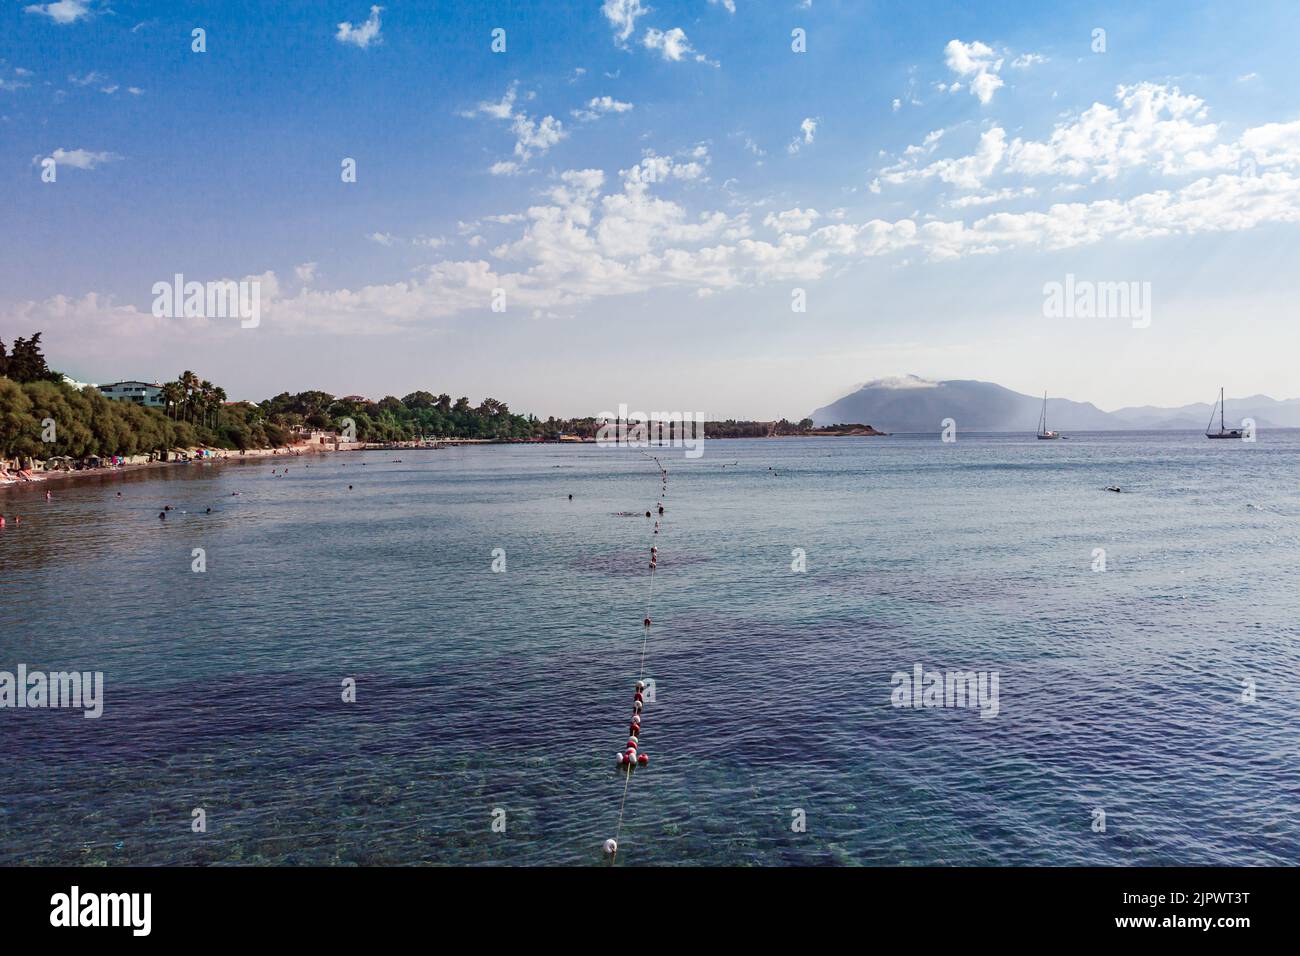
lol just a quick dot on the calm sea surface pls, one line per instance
(478, 691)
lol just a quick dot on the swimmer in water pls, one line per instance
(570, 497)
(162, 515)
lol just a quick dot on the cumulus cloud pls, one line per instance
(598, 106)
(808, 132)
(364, 34)
(78, 158)
(672, 45)
(792, 220)
(967, 172)
(1151, 126)
(978, 64)
(622, 16)
(585, 240)
(532, 136)
(64, 11)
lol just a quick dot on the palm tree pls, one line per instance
(205, 399)
(172, 393)
(218, 400)
(190, 383)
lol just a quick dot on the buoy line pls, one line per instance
(631, 757)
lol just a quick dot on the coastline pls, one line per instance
(60, 476)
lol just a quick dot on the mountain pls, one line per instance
(912, 404)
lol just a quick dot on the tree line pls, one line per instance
(195, 413)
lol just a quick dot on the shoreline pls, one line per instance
(60, 477)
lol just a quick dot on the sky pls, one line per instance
(739, 207)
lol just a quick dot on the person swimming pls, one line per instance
(162, 515)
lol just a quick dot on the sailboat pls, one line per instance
(1042, 423)
(1222, 432)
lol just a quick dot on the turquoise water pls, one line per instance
(480, 691)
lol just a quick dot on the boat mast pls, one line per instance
(1221, 408)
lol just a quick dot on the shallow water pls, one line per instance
(478, 691)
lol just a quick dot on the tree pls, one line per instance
(25, 363)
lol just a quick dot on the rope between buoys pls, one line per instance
(645, 640)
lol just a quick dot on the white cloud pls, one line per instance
(382, 238)
(78, 158)
(581, 244)
(305, 272)
(1272, 144)
(967, 172)
(1152, 125)
(979, 63)
(808, 129)
(364, 34)
(671, 44)
(729, 5)
(64, 11)
(622, 16)
(532, 136)
(87, 80)
(965, 59)
(792, 220)
(987, 199)
(600, 105)
(1026, 60)
(535, 135)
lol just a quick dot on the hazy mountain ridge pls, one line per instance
(913, 404)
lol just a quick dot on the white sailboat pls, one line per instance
(1043, 431)
(1222, 432)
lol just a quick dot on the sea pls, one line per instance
(430, 656)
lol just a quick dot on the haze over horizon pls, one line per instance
(650, 183)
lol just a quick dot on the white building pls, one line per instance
(142, 393)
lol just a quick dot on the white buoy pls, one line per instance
(611, 847)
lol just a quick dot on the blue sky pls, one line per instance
(650, 183)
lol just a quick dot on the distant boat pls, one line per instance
(1222, 432)
(1042, 423)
